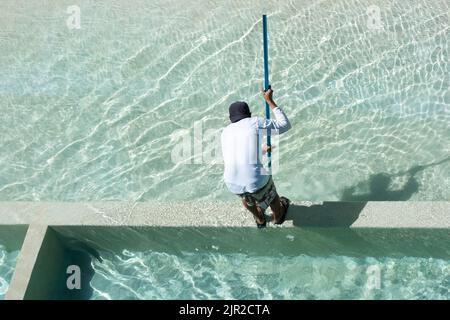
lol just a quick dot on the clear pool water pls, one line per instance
(94, 113)
(159, 275)
(11, 239)
(243, 263)
(7, 262)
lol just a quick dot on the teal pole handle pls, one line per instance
(266, 83)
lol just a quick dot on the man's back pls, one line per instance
(241, 145)
(240, 149)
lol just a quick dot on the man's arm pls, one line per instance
(281, 123)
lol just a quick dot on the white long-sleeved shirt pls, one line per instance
(241, 147)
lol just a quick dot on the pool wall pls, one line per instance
(56, 228)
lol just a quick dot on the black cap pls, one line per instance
(239, 110)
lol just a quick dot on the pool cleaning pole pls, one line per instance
(266, 87)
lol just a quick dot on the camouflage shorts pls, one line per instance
(262, 197)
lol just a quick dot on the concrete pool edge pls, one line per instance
(370, 214)
(39, 242)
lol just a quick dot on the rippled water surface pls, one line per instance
(7, 263)
(95, 113)
(246, 263)
(158, 275)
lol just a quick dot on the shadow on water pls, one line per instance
(328, 214)
(378, 185)
(78, 254)
(83, 260)
(313, 241)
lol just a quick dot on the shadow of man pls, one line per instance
(327, 214)
(346, 212)
(379, 190)
(379, 185)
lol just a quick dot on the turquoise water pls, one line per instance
(95, 113)
(159, 275)
(7, 262)
(245, 263)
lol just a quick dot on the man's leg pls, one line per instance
(258, 214)
(278, 209)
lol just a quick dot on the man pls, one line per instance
(244, 173)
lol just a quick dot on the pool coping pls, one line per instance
(371, 214)
(41, 216)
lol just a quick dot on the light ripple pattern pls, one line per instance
(7, 264)
(215, 275)
(95, 113)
